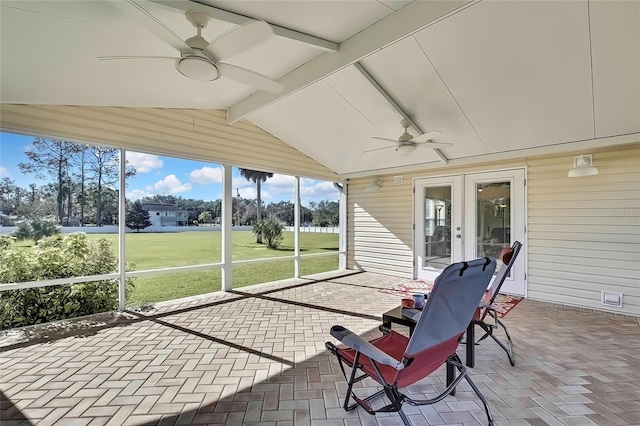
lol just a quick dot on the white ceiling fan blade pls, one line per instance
(120, 58)
(377, 149)
(426, 138)
(239, 39)
(434, 143)
(393, 141)
(249, 78)
(153, 24)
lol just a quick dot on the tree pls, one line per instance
(257, 177)
(137, 217)
(7, 194)
(51, 157)
(105, 167)
(81, 161)
(283, 210)
(205, 217)
(326, 213)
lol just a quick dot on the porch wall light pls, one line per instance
(376, 184)
(583, 166)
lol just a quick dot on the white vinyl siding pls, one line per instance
(583, 233)
(379, 229)
(202, 135)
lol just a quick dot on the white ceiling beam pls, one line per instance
(387, 97)
(395, 106)
(394, 27)
(235, 18)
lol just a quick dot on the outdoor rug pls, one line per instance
(502, 304)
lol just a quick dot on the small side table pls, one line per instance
(395, 316)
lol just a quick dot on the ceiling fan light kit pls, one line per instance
(198, 68)
(406, 148)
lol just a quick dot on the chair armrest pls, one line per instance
(356, 342)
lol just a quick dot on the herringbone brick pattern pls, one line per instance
(257, 356)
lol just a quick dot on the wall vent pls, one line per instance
(608, 298)
(398, 180)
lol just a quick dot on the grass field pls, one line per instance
(163, 250)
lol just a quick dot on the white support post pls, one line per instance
(296, 230)
(122, 261)
(342, 227)
(227, 210)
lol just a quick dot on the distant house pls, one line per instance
(166, 214)
(72, 221)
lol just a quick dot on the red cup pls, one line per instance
(407, 303)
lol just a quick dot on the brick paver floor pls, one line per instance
(257, 356)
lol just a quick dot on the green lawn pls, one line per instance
(163, 250)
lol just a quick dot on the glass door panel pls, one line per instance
(493, 218)
(438, 224)
(496, 220)
(437, 242)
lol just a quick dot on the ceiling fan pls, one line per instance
(407, 143)
(201, 60)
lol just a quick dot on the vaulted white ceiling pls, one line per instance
(499, 79)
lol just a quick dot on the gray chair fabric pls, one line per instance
(458, 289)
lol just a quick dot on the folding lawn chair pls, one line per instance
(487, 307)
(396, 361)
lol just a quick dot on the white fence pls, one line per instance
(321, 229)
(114, 229)
(215, 228)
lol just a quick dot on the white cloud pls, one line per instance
(251, 194)
(248, 192)
(282, 180)
(4, 172)
(240, 182)
(318, 190)
(137, 194)
(206, 175)
(144, 162)
(169, 185)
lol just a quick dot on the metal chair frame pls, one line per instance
(438, 331)
(488, 309)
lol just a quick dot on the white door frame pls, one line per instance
(463, 241)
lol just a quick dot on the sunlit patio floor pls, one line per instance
(257, 356)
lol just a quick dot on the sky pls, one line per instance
(171, 176)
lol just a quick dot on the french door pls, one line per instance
(463, 217)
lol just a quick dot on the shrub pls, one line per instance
(272, 231)
(6, 241)
(58, 257)
(36, 230)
